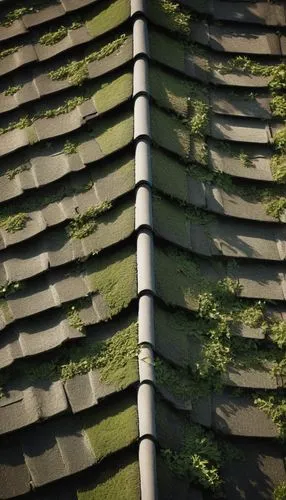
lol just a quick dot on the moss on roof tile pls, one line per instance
(123, 484)
(114, 277)
(111, 14)
(111, 429)
(111, 94)
(116, 135)
(169, 176)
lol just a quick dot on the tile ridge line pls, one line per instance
(145, 252)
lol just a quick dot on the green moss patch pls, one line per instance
(111, 94)
(170, 222)
(14, 218)
(122, 484)
(13, 223)
(112, 429)
(167, 51)
(77, 71)
(116, 135)
(8, 52)
(169, 176)
(85, 224)
(115, 358)
(53, 37)
(109, 16)
(183, 97)
(13, 89)
(105, 96)
(170, 133)
(114, 278)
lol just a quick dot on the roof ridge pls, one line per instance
(145, 252)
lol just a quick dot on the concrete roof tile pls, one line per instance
(14, 474)
(260, 471)
(55, 451)
(240, 417)
(251, 377)
(84, 391)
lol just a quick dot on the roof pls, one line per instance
(142, 249)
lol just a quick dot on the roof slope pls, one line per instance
(159, 224)
(217, 84)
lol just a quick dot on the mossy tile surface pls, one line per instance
(115, 278)
(111, 429)
(110, 15)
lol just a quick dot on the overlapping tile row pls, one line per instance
(220, 247)
(68, 354)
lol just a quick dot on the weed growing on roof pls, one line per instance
(275, 408)
(199, 459)
(14, 15)
(280, 492)
(9, 288)
(245, 159)
(177, 18)
(278, 333)
(26, 121)
(8, 52)
(70, 148)
(20, 11)
(69, 105)
(54, 37)
(14, 223)
(199, 116)
(85, 224)
(12, 90)
(278, 168)
(111, 357)
(74, 318)
(275, 207)
(278, 106)
(115, 358)
(174, 379)
(77, 71)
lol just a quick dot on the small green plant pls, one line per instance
(280, 492)
(199, 116)
(12, 90)
(74, 318)
(9, 288)
(199, 460)
(278, 167)
(275, 408)
(178, 18)
(14, 223)
(54, 37)
(15, 14)
(8, 52)
(85, 224)
(70, 148)
(280, 140)
(245, 159)
(276, 207)
(11, 173)
(26, 121)
(278, 106)
(278, 333)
